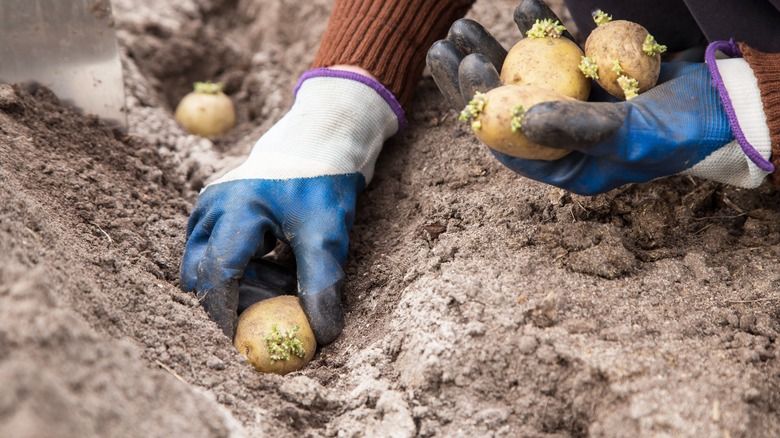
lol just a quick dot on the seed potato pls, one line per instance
(620, 52)
(496, 117)
(206, 111)
(275, 335)
(548, 62)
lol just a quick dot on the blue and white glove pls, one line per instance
(300, 185)
(703, 119)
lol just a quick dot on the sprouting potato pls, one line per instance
(496, 118)
(545, 59)
(275, 335)
(206, 111)
(622, 57)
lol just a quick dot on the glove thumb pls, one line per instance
(572, 124)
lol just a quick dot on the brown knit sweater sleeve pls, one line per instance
(766, 67)
(388, 38)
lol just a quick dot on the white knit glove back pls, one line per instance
(336, 126)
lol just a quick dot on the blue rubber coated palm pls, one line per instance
(236, 221)
(663, 131)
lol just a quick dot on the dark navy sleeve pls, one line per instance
(683, 24)
(669, 21)
(756, 23)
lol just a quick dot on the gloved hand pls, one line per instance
(680, 126)
(300, 185)
(469, 59)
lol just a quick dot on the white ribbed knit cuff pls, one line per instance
(729, 164)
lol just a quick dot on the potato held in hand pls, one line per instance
(496, 118)
(622, 57)
(546, 59)
(275, 335)
(206, 111)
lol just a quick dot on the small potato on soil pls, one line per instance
(622, 57)
(275, 335)
(547, 60)
(496, 118)
(206, 111)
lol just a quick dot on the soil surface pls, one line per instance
(479, 303)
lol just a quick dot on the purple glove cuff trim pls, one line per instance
(365, 80)
(730, 49)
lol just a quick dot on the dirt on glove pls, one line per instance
(478, 302)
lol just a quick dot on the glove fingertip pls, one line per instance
(221, 304)
(442, 60)
(186, 281)
(471, 37)
(527, 12)
(324, 312)
(572, 125)
(188, 270)
(477, 73)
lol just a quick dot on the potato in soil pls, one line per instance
(549, 62)
(496, 117)
(206, 111)
(620, 48)
(275, 335)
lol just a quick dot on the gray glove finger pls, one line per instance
(324, 312)
(572, 124)
(470, 37)
(221, 304)
(528, 11)
(477, 73)
(443, 60)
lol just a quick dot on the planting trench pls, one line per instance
(478, 303)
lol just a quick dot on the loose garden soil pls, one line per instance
(478, 302)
